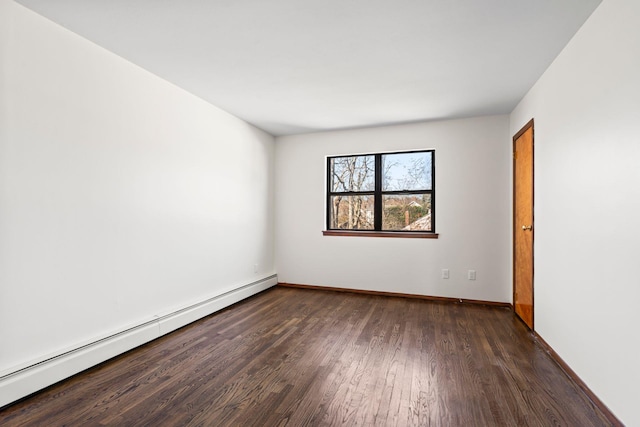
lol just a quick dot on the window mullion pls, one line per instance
(377, 198)
(329, 190)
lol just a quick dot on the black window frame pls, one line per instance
(378, 194)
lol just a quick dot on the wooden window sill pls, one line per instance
(402, 234)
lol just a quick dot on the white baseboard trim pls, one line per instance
(23, 382)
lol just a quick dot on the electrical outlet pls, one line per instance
(445, 273)
(472, 275)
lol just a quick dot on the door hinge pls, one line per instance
(515, 156)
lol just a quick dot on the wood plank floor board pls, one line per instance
(294, 357)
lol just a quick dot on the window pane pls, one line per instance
(351, 212)
(406, 171)
(355, 173)
(406, 212)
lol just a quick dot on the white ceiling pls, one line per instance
(293, 66)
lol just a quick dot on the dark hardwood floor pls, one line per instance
(305, 358)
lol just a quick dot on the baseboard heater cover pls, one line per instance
(24, 382)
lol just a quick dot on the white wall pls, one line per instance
(122, 197)
(473, 213)
(587, 203)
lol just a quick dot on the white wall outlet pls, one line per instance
(445, 273)
(472, 275)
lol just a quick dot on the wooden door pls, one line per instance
(523, 224)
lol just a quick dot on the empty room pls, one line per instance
(409, 213)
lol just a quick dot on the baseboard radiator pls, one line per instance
(28, 380)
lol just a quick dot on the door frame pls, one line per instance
(526, 127)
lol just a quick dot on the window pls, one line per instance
(384, 192)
